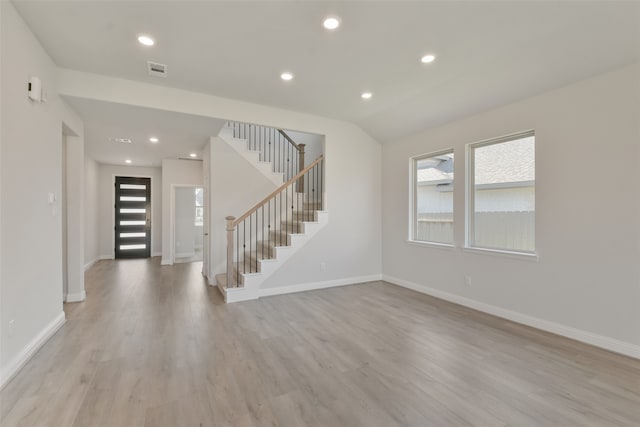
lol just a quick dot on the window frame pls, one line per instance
(413, 200)
(470, 188)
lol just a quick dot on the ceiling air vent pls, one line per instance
(121, 140)
(156, 70)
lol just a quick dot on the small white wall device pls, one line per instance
(35, 89)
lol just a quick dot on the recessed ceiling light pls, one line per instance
(193, 155)
(146, 40)
(366, 95)
(331, 22)
(428, 59)
(128, 161)
(286, 76)
(153, 139)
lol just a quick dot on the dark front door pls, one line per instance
(133, 217)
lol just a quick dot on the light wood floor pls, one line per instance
(155, 346)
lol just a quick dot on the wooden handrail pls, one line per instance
(277, 191)
(296, 146)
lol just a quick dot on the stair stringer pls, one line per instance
(253, 157)
(253, 281)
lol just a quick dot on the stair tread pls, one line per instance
(265, 253)
(221, 279)
(252, 257)
(295, 221)
(247, 267)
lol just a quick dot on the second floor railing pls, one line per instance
(273, 145)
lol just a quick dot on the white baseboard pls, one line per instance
(317, 285)
(186, 254)
(238, 294)
(101, 257)
(14, 366)
(165, 262)
(90, 263)
(77, 297)
(601, 341)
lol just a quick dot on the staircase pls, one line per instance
(262, 239)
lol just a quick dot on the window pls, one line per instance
(199, 207)
(501, 194)
(433, 198)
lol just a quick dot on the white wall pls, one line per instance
(31, 155)
(106, 181)
(91, 211)
(587, 212)
(174, 173)
(350, 244)
(185, 229)
(314, 144)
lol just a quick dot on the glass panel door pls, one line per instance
(133, 217)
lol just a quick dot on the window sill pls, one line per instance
(435, 245)
(524, 256)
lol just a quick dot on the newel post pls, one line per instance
(301, 167)
(230, 229)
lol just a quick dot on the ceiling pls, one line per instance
(179, 134)
(488, 53)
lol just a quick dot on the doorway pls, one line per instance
(71, 214)
(188, 224)
(132, 217)
(63, 215)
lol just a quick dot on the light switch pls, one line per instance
(52, 198)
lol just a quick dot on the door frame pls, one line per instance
(73, 213)
(113, 210)
(172, 220)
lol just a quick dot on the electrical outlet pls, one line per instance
(323, 266)
(467, 280)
